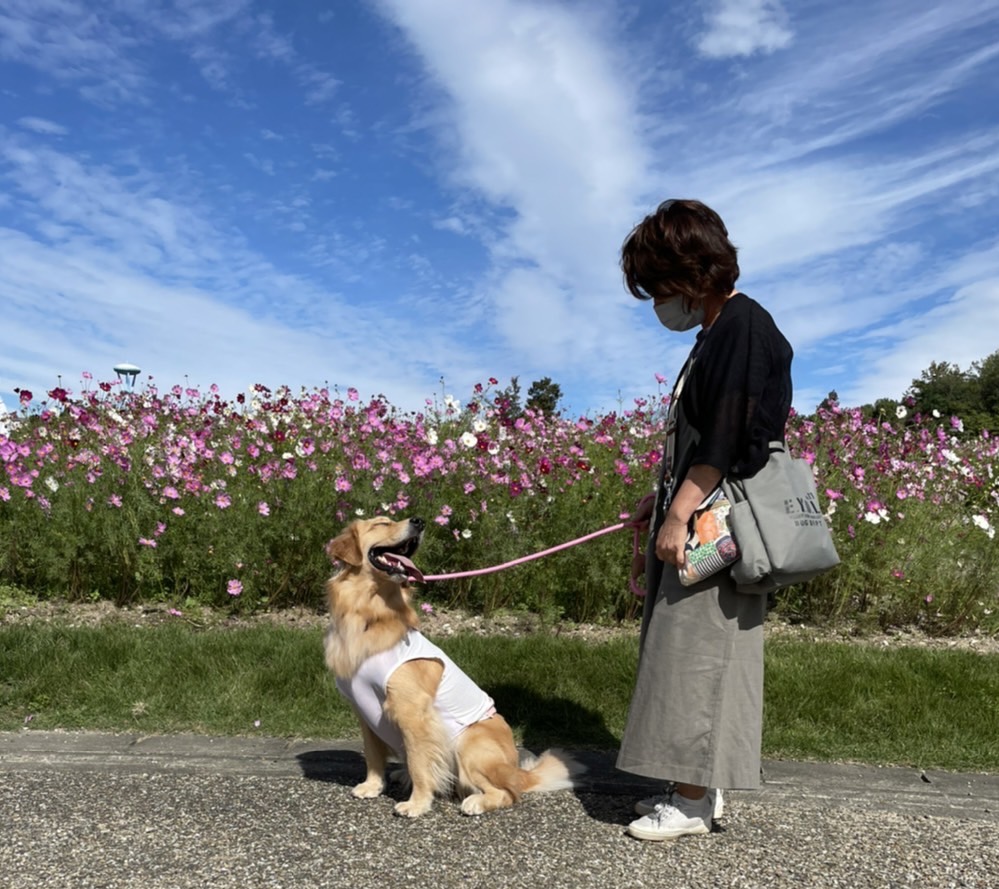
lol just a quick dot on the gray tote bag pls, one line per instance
(778, 525)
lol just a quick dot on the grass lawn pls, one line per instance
(824, 700)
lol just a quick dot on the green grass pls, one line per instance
(824, 701)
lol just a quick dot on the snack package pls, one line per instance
(710, 546)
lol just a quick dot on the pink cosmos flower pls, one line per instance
(223, 501)
(263, 508)
(352, 394)
(145, 541)
(234, 588)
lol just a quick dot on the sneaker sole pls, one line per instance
(656, 836)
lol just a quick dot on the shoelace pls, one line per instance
(663, 811)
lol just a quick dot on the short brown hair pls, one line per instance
(682, 249)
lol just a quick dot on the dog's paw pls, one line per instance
(474, 804)
(412, 809)
(368, 789)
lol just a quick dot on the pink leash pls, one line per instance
(637, 590)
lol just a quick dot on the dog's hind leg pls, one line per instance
(488, 765)
(409, 703)
(375, 758)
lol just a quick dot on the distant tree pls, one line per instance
(831, 399)
(988, 384)
(883, 409)
(508, 400)
(543, 396)
(945, 388)
(949, 391)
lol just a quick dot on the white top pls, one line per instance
(459, 700)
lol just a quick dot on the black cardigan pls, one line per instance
(738, 395)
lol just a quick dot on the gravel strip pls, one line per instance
(101, 830)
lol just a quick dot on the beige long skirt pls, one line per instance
(697, 712)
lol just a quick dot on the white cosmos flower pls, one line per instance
(51, 484)
(466, 533)
(479, 426)
(468, 439)
(982, 522)
(431, 436)
(901, 412)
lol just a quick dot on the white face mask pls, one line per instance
(673, 314)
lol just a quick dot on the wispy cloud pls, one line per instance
(41, 126)
(238, 188)
(545, 128)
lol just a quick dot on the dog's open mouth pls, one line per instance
(395, 560)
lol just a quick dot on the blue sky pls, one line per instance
(383, 193)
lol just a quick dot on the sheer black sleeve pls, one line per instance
(740, 392)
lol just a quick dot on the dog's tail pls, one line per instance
(553, 770)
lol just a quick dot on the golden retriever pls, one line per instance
(410, 698)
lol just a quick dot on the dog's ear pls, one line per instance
(346, 547)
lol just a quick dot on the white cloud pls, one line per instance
(42, 126)
(460, 206)
(744, 27)
(546, 128)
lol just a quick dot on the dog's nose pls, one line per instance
(418, 523)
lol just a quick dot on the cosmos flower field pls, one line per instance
(178, 496)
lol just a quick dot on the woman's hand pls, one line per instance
(643, 513)
(671, 540)
(672, 537)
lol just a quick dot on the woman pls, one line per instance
(696, 715)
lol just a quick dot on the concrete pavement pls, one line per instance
(115, 810)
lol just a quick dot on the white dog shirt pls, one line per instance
(459, 700)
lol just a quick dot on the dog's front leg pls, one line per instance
(409, 703)
(375, 758)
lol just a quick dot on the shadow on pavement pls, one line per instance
(551, 722)
(345, 767)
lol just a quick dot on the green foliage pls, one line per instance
(149, 498)
(945, 390)
(824, 701)
(543, 396)
(988, 382)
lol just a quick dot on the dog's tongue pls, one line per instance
(412, 572)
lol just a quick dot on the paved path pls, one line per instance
(88, 810)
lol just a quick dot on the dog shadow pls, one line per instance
(333, 766)
(540, 722)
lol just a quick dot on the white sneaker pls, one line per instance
(676, 818)
(648, 805)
